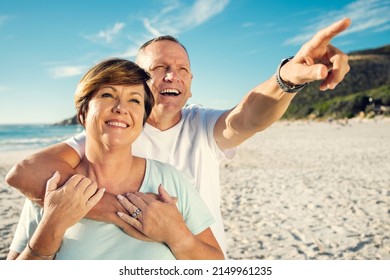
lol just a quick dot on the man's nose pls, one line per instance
(171, 75)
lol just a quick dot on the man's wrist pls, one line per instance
(285, 86)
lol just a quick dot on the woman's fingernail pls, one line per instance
(119, 196)
(120, 214)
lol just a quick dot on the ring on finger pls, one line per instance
(136, 213)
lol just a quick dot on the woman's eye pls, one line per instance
(106, 94)
(135, 101)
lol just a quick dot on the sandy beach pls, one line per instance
(298, 190)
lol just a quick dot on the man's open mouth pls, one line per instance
(170, 92)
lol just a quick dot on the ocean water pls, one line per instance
(31, 136)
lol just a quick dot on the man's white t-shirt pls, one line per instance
(191, 148)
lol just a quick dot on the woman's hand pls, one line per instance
(154, 215)
(64, 206)
(157, 217)
(106, 211)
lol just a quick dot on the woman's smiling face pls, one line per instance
(115, 114)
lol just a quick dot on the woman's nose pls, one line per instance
(119, 107)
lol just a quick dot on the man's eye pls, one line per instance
(159, 68)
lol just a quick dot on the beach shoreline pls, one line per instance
(298, 190)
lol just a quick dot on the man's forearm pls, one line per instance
(29, 179)
(264, 105)
(259, 109)
(31, 174)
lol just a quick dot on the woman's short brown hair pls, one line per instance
(113, 71)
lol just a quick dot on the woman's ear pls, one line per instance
(80, 118)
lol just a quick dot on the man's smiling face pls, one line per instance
(169, 67)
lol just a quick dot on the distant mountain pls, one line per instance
(385, 50)
(70, 121)
(365, 90)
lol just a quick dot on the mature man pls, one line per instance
(194, 139)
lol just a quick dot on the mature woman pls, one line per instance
(113, 102)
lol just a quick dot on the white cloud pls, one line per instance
(172, 17)
(149, 26)
(131, 52)
(66, 71)
(365, 15)
(205, 9)
(382, 28)
(176, 18)
(107, 35)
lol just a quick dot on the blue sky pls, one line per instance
(47, 45)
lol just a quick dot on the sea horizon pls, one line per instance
(30, 136)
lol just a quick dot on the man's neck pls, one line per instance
(164, 121)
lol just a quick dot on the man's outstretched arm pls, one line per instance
(268, 101)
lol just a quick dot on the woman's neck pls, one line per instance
(117, 170)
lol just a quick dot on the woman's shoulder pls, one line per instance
(159, 166)
(167, 175)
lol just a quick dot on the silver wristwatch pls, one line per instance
(282, 84)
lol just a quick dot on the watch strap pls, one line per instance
(282, 84)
